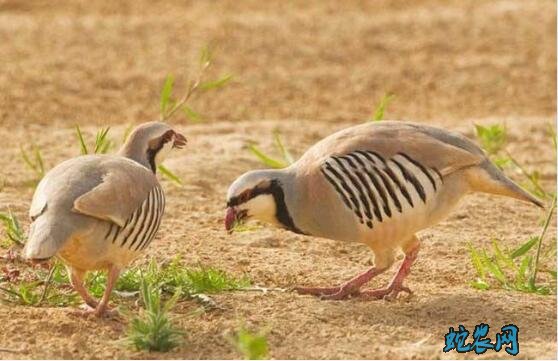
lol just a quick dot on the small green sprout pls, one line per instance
(167, 173)
(13, 229)
(492, 138)
(382, 106)
(169, 105)
(153, 329)
(252, 346)
(191, 280)
(102, 143)
(513, 270)
(34, 160)
(287, 158)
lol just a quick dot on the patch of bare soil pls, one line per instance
(309, 69)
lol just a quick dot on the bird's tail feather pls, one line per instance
(488, 178)
(45, 239)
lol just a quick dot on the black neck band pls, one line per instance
(282, 214)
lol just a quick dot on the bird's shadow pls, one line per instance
(439, 312)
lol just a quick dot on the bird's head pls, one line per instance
(254, 195)
(149, 143)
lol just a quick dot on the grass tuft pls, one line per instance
(286, 157)
(102, 143)
(252, 346)
(13, 229)
(31, 289)
(512, 270)
(191, 280)
(34, 161)
(152, 330)
(167, 173)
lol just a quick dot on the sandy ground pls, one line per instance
(307, 69)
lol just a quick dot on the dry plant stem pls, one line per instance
(543, 232)
(2, 349)
(187, 96)
(47, 283)
(525, 173)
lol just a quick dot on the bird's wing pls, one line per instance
(430, 147)
(124, 186)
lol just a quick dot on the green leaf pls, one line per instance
(102, 143)
(82, 146)
(492, 138)
(552, 273)
(479, 284)
(166, 93)
(251, 345)
(216, 83)
(205, 56)
(477, 262)
(268, 161)
(169, 175)
(192, 115)
(497, 273)
(281, 147)
(500, 257)
(381, 108)
(524, 248)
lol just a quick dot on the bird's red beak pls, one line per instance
(179, 141)
(230, 219)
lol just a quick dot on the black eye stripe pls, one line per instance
(247, 195)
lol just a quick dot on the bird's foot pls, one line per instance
(86, 310)
(389, 293)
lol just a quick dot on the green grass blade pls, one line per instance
(477, 262)
(192, 115)
(479, 284)
(82, 146)
(166, 94)
(533, 278)
(493, 268)
(524, 248)
(252, 346)
(381, 108)
(268, 161)
(205, 56)
(501, 257)
(215, 84)
(282, 149)
(169, 175)
(102, 143)
(39, 161)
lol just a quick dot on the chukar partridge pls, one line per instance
(375, 183)
(100, 212)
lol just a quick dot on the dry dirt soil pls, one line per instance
(307, 68)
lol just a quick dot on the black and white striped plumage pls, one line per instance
(375, 188)
(140, 228)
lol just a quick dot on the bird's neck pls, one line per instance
(132, 150)
(283, 192)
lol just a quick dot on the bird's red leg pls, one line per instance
(345, 290)
(102, 307)
(76, 279)
(396, 285)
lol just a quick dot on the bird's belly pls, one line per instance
(402, 225)
(87, 254)
(106, 244)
